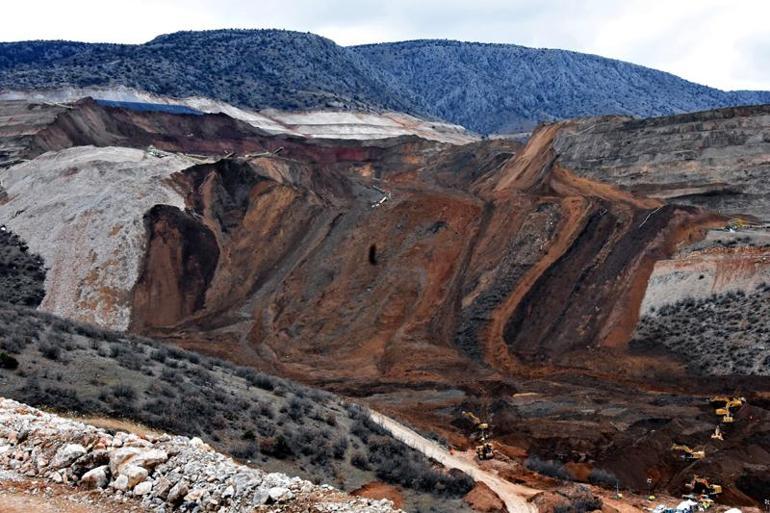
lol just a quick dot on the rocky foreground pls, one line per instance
(161, 473)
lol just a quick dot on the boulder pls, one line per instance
(177, 492)
(143, 488)
(196, 495)
(150, 459)
(280, 494)
(67, 455)
(134, 473)
(120, 483)
(122, 456)
(96, 478)
(162, 487)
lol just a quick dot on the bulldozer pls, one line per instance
(701, 485)
(484, 449)
(690, 454)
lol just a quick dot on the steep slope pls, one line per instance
(434, 279)
(489, 88)
(110, 378)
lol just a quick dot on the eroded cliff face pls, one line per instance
(348, 262)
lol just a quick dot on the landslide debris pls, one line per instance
(506, 276)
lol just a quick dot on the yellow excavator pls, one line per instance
(690, 454)
(717, 434)
(484, 449)
(727, 405)
(701, 485)
(735, 224)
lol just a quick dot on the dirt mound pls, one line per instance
(379, 490)
(484, 500)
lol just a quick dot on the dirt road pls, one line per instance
(514, 496)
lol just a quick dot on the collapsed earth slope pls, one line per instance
(434, 278)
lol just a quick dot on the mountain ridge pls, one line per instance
(486, 87)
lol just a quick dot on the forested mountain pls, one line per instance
(486, 87)
(498, 88)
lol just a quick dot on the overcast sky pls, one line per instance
(721, 43)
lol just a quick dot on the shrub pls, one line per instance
(602, 477)
(8, 362)
(339, 448)
(277, 447)
(50, 351)
(550, 468)
(159, 355)
(360, 460)
(125, 392)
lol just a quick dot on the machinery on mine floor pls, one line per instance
(717, 434)
(701, 485)
(736, 224)
(484, 449)
(689, 453)
(725, 405)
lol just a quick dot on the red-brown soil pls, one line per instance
(484, 500)
(380, 490)
(495, 277)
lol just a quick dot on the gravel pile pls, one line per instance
(164, 473)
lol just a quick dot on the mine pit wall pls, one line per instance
(699, 274)
(718, 160)
(178, 267)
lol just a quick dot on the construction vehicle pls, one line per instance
(727, 405)
(484, 449)
(690, 453)
(702, 486)
(717, 434)
(736, 224)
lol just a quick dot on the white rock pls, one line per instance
(67, 455)
(177, 492)
(134, 474)
(280, 494)
(150, 459)
(261, 496)
(120, 457)
(96, 478)
(121, 483)
(143, 488)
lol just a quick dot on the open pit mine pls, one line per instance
(589, 307)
